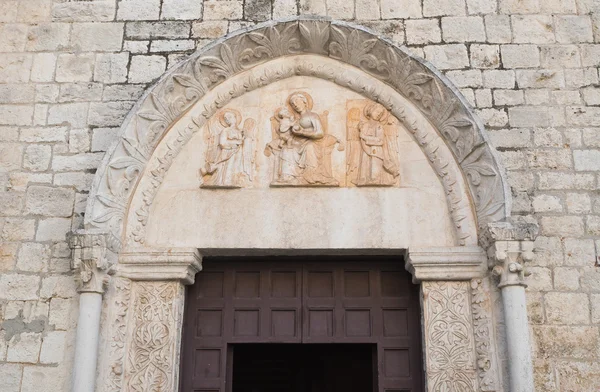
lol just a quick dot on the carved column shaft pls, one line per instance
(153, 333)
(511, 246)
(92, 262)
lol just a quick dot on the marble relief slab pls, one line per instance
(309, 138)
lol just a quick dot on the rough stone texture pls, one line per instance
(70, 71)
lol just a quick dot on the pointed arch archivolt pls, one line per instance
(351, 57)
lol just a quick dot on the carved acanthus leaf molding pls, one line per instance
(186, 84)
(483, 326)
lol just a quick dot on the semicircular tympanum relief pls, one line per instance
(299, 106)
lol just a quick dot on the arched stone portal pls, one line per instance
(298, 137)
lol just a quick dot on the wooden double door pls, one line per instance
(341, 300)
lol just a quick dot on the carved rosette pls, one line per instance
(450, 354)
(186, 84)
(152, 352)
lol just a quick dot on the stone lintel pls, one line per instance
(447, 263)
(160, 264)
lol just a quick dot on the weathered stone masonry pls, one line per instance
(71, 70)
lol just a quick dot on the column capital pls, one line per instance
(510, 246)
(92, 259)
(163, 264)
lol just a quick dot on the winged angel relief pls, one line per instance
(230, 153)
(301, 147)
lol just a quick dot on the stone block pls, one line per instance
(566, 279)
(493, 117)
(587, 160)
(53, 229)
(573, 28)
(590, 276)
(80, 92)
(532, 29)
(106, 114)
(136, 47)
(138, 10)
(583, 116)
(76, 162)
(16, 115)
(578, 375)
(44, 134)
(257, 10)
(513, 160)
(284, 9)
(166, 45)
(13, 37)
(209, 29)
(97, 37)
(443, 7)
(391, 9)
(566, 97)
(34, 11)
(595, 308)
(367, 10)
(79, 140)
(102, 138)
(557, 181)
(73, 114)
(593, 225)
(43, 67)
(24, 347)
(566, 226)
(75, 67)
(463, 29)
(482, 7)
(47, 201)
(84, 11)
(37, 157)
(497, 28)
(60, 315)
(47, 379)
(48, 37)
(53, 347)
(10, 156)
(576, 78)
(499, 79)
(567, 308)
(483, 97)
(82, 182)
(540, 279)
(17, 287)
(340, 9)
(58, 286)
(319, 7)
(224, 10)
(447, 56)
(560, 56)
(508, 97)
(579, 203)
(547, 137)
(520, 56)
(591, 95)
(590, 55)
(579, 252)
(15, 68)
(120, 92)
(566, 341)
(466, 78)
(33, 257)
(11, 375)
(547, 203)
(181, 9)
(165, 30)
(111, 68)
(422, 31)
(47, 93)
(519, 6)
(145, 69)
(529, 116)
(554, 159)
(540, 78)
(485, 56)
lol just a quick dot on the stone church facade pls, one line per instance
(143, 141)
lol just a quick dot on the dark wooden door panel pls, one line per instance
(302, 300)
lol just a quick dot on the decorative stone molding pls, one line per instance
(118, 326)
(92, 259)
(511, 245)
(449, 337)
(185, 84)
(180, 264)
(455, 263)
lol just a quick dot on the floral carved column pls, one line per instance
(153, 335)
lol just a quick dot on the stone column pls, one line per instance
(153, 334)
(511, 246)
(450, 338)
(92, 261)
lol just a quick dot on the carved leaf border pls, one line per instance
(186, 84)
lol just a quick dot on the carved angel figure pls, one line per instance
(229, 157)
(301, 146)
(373, 159)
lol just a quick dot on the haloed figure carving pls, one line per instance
(373, 155)
(301, 145)
(230, 153)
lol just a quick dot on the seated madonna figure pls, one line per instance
(305, 156)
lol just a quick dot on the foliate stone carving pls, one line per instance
(483, 326)
(230, 152)
(450, 355)
(186, 84)
(118, 334)
(301, 147)
(372, 134)
(92, 260)
(152, 351)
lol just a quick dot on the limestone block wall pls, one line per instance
(71, 69)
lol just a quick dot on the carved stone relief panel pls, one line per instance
(449, 337)
(372, 134)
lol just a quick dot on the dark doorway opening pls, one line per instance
(304, 368)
